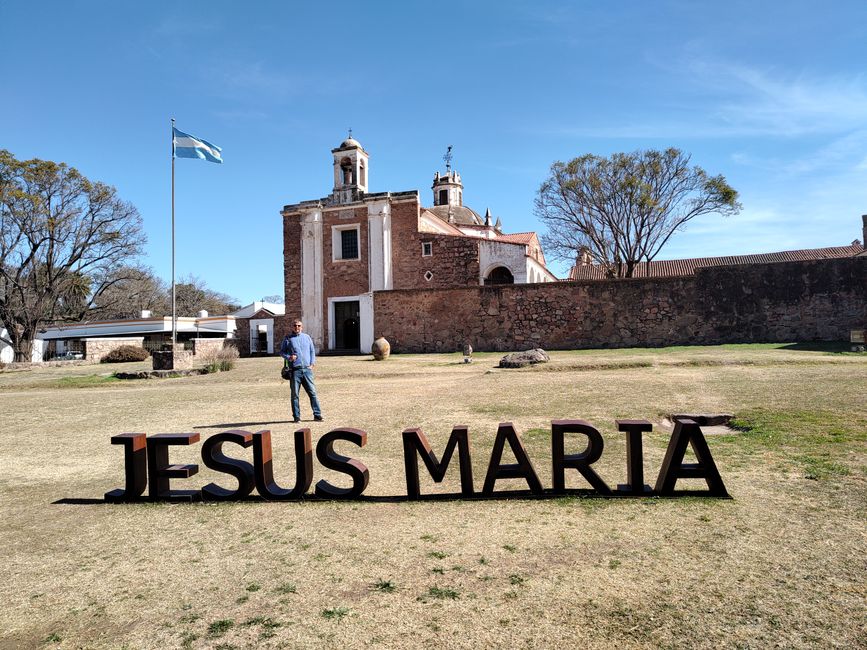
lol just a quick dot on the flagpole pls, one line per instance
(174, 315)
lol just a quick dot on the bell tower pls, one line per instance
(350, 170)
(447, 188)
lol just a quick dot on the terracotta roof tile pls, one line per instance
(675, 268)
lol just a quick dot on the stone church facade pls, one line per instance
(340, 249)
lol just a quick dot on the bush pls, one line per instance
(220, 360)
(125, 353)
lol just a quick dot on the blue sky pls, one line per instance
(773, 95)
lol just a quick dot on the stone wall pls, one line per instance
(793, 301)
(211, 345)
(96, 348)
(454, 260)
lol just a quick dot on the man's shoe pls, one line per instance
(319, 418)
(296, 420)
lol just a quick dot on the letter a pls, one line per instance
(687, 432)
(523, 469)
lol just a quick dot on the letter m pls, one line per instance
(415, 442)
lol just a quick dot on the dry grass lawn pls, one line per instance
(782, 563)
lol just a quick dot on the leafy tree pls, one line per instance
(62, 239)
(622, 210)
(275, 299)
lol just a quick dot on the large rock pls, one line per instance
(526, 358)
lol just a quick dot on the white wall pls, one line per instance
(495, 253)
(7, 354)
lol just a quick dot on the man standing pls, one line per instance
(298, 351)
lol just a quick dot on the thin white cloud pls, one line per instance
(724, 100)
(767, 102)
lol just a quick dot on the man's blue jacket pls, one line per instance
(300, 345)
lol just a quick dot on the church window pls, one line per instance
(345, 242)
(428, 276)
(444, 197)
(362, 173)
(426, 249)
(349, 244)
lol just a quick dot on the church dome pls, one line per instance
(460, 214)
(350, 143)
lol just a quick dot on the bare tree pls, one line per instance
(622, 210)
(192, 294)
(138, 289)
(62, 239)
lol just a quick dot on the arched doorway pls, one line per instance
(500, 275)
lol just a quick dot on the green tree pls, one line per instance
(623, 209)
(62, 240)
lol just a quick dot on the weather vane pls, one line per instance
(448, 159)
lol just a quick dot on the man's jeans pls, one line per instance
(304, 377)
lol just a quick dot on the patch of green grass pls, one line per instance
(439, 570)
(335, 613)
(84, 381)
(613, 564)
(510, 547)
(428, 538)
(219, 628)
(286, 588)
(516, 579)
(385, 586)
(187, 640)
(54, 637)
(821, 467)
(801, 437)
(253, 587)
(443, 593)
(439, 555)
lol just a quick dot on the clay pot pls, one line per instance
(380, 349)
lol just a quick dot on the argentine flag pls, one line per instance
(185, 145)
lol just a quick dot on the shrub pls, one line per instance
(215, 361)
(126, 353)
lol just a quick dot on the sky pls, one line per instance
(772, 95)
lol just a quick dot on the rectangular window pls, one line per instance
(426, 249)
(349, 244)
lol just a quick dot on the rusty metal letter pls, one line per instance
(582, 462)
(135, 461)
(213, 457)
(161, 472)
(263, 466)
(332, 460)
(634, 456)
(673, 468)
(415, 442)
(522, 469)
